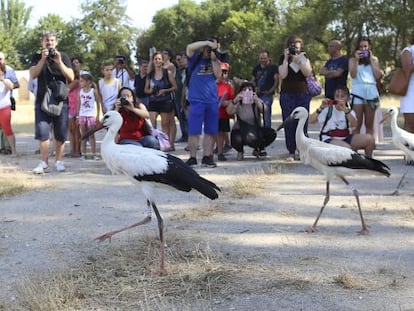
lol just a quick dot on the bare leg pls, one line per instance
(109, 235)
(364, 229)
(325, 201)
(162, 269)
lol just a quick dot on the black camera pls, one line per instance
(121, 59)
(124, 101)
(293, 50)
(155, 89)
(52, 53)
(222, 56)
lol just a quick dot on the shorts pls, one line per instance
(5, 121)
(202, 113)
(44, 124)
(161, 107)
(88, 121)
(348, 139)
(224, 125)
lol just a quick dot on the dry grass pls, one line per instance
(14, 182)
(348, 281)
(121, 279)
(252, 183)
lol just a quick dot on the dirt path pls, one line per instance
(274, 264)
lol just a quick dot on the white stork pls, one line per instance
(151, 168)
(402, 139)
(333, 161)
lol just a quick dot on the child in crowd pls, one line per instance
(74, 134)
(108, 87)
(88, 111)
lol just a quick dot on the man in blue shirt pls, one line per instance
(203, 99)
(335, 69)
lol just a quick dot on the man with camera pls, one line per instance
(48, 66)
(203, 98)
(122, 72)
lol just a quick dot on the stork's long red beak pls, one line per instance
(99, 126)
(385, 117)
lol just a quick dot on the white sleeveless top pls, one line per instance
(109, 93)
(407, 101)
(87, 103)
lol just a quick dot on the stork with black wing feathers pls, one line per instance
(151, 169)
(333, 161)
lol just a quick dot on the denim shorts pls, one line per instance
(44, 124)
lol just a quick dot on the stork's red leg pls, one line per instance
(364, 230)
(162, 269)
(325, 201)
(109, 235)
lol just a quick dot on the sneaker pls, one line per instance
(207, 161)
(60, 167)
(221, 157)
(40, 168)
(191, 162)
(291, 157)
(263, 154)
(240, 156)
(256, 153)
(227, 148)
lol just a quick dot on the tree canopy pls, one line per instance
(243, 26)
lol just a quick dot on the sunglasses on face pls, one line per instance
(224, 72)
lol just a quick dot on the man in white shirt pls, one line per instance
(122, 72)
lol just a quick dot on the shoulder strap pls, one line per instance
(328, 116)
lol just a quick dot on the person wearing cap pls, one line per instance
(266, 82)
(226, 94)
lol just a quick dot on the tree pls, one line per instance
(14, 16)
(105, 32)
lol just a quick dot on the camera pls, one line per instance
(124, 101)
(364, 53)
(332, 102)
(121, 59)
(293, 50)
(222, 56)
(52, 53)
(155, 89)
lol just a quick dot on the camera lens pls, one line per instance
(124, 101)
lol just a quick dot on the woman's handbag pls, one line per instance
(56, 93)
(399, 83)
(162, 138)
(314, 88)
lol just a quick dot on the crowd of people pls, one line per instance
(195, 87)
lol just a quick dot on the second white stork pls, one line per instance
(151, 168)
(402, 139)
(333, 161)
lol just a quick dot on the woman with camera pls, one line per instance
(134, 129)
(161, 85)
(294, 67)
(248, 129)
(364, 70)
(337, 122)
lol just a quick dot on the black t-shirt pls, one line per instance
(139, 85)
(50, 72)
(264, 78)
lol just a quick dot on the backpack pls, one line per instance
(328, 116)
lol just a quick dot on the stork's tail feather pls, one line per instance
(207, 188)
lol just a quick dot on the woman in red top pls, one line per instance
(134, 129)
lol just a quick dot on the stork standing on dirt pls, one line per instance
(402, 139)
(333, 161)
(152, 169)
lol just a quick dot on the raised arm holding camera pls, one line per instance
(123, 72)
(203, 98)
